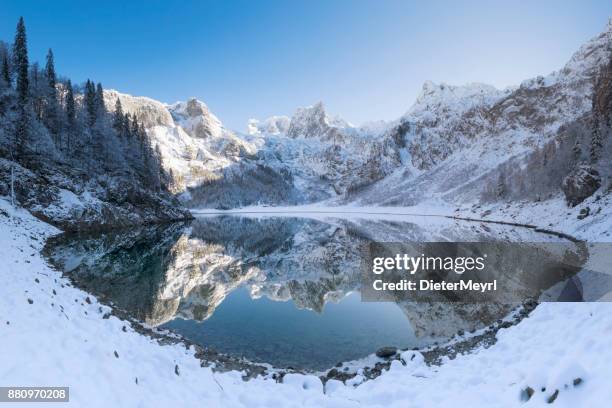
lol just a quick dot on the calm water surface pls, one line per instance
(279, 290)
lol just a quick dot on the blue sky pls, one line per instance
(366, 60)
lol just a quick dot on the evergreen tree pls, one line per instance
(99, 101)
(596, 145)
(125, 125)
(70, 115)
(38, 90)
(90, 102)
(142, 133)
(157, 169)
(50, 74)
(118, 118)
(6, 71)
(134, 128)
(70, 106)
(20, 55)
(51, 108)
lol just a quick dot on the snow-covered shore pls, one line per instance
(56, 335)
(550, 214)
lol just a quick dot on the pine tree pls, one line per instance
(51, 114)
(596, 145)
(157, 169)
(6, 72)
(70, 115)
(37, 90)
(50, 74)
(135, 128)
(20, 55)
(118, 118)
(125, 125)
(142, 133)
(70, 106)
(99, 101)
(90, 102)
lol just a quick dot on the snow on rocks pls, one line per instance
(581, 183)
(274, 125)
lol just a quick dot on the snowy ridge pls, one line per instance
(439, 99)
(456, 136)
(450, 137)
(274, 125)
(313, 121)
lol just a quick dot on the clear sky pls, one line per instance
(366, 60)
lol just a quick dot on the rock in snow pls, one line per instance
(580, 184)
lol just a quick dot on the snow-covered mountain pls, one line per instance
(194, 144)
(309, 157)
(461, 139)
(274, 125)
(451, 143)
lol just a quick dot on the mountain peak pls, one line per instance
(590, 57)
(444, 96)
(192, 108)
(313, 121)
(194, 116)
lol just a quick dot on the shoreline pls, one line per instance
(91, 324)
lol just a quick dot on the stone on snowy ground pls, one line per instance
(580, 184)
(553, 397)
(526, 394)
(584, 213)
(386, 352)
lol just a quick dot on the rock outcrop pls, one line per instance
(580, 184)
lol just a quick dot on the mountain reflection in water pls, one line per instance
(279, 290)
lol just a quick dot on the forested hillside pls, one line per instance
(66, 158)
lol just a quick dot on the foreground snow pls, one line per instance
(52, 335)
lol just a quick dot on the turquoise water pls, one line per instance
(196, 279)
(279, 333)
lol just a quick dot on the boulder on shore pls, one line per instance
(580, 184)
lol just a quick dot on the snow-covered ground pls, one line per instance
(54, 334)
(551, 214)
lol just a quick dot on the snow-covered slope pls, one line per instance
(195, 146)
(459, 137)
(444, 118)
